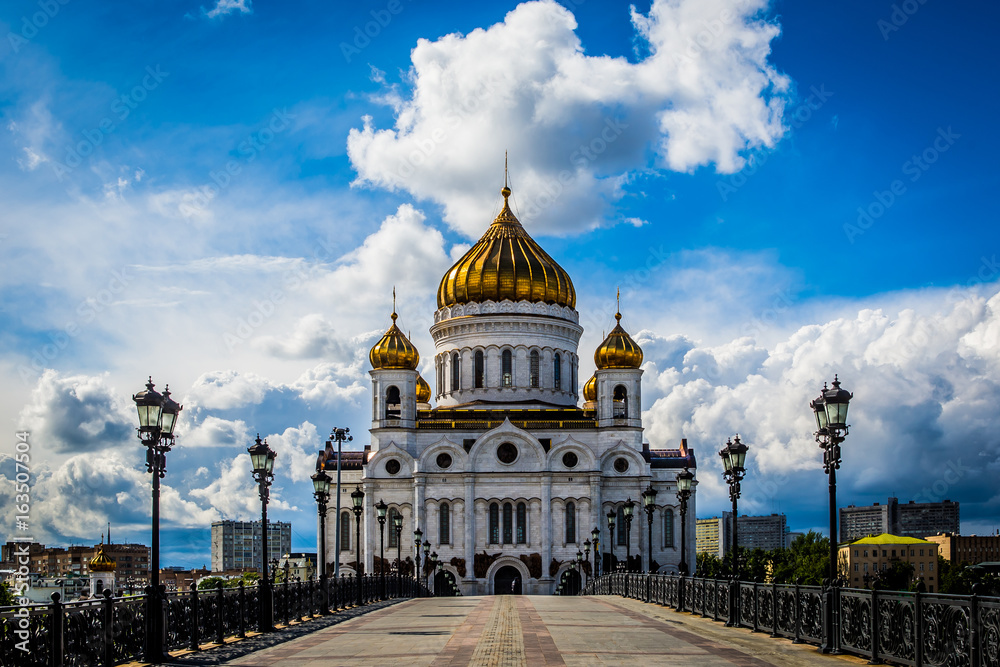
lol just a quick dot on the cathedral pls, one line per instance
(507, 474)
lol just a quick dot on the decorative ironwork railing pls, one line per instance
(902, 628)
(111, 631)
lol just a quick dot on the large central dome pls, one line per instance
(506, 263)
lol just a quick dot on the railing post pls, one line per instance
(220, 606)
(918, 632)
(875, 660)
(195, 624)
(288, 599)
(242, 607)
(756, 608)
(774, 608)
(975, 637)
(797, 601)
(56, 619)
(108, 620)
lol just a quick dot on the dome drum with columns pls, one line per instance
(511, 469)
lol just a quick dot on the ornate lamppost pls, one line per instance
(321, 491)
(434, 564)
(262, 457)
(649, 504)
(380, 510)
(733, 456)
(417, 536)
(684, 483)
(595, 534)
(627, 509)
(397, 525)
(579, 567)
(612, 516)
(586, 554)
(357, 498)
(340, 435)
(427, 551)
(830, 410)
(157, 418)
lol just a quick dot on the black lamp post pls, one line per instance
(586, 553)
(612, 515)
(579, 566)
(434, 564)
(321, 491)
(157, 418)
(733, 456)
(684, 483)
(417, 536)
(830, 410)
(649, 504)
(627, 509)
(340, 435)
(262, 457)
(595, 535)
(380, 509)
(397, 525)
(357, 498)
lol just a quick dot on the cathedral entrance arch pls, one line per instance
(507, 581)
(444, 584)
(570, 582)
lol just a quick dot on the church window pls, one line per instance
(557, 371)
(522, 523)
(480, 370)
(392, 466)
(456, 372)
(494, 523)
(443, 460)
(534, 368)
(392, 403)
(621, 464)
(570, 459)
(444, 524)
(393, 538)
(621, 526)
(345, 531)
(507, 369)
(620, 403)
(508, 520)
(571, 523)
(668, 528)
(507, 452)
(572, 376)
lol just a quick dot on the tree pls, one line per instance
(6, 595)
(807, 560)
(209, 583)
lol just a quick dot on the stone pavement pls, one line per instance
(507, 631)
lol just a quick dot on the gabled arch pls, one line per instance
(376, 464)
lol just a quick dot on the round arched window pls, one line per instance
(570, 459)
(621, 464)
(392, 466)
(507, 452)
(444, 460)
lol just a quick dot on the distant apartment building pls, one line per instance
(762, 532)
(873, 554)
(971, 549)
(910, 519)
(132, 560)
(714, 535)
(236, 544)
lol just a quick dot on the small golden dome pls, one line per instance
(618, 350)
(423, 390)
(506, 263)
(590, 389)
(101, 563)
(394, 350)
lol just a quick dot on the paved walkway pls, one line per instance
(528, 630)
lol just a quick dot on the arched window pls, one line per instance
(620, 527)
(444, 524)
(557, 371)
(668, 527)
(571, 523)
(522, 523)
(507, 368)
(508, 521)
(456, 372)
(534, 368)
(390, 526)
(480, 370)
(572, 376)
(494, 523)
(392, 405)
(345, 531)
(619, 404)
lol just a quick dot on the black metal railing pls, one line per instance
(905, 628)
(111, 631)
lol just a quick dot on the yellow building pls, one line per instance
(878, 553)
(970, 549)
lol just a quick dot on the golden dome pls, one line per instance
(101, 563)
(506, 263)
(423, 390)
(394, 350)
(618, 350)
(590, 389)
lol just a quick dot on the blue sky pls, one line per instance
(223, 195)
